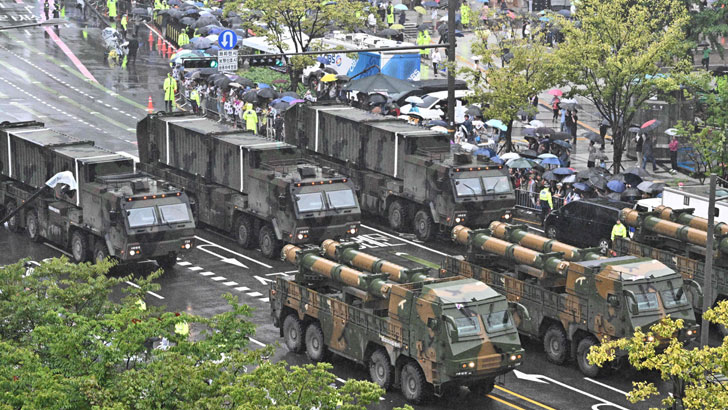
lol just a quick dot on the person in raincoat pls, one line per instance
(465, 13)
(183, 38)
(170, 87)
(250, 118)
(423, 39)
(195, 99)
(124, 23)
(390, 14)
(111, 5)
(544, 199)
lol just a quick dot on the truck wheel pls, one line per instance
(316, 349)
(398, 215)
(269, 244)
(167, 262)
(14, 222)
(293, 333)
(423, 225)
(588, 369)
(243, 231)
(380, 370)
(555, 344)
(100, 251)
(32, 226)
(482, 387)
(551, 232)
(413, 382)
(79, 246)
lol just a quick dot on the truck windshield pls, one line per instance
(497, 321)
(673, 297)
(310, 202)
(343, 198)
(646, 301)
(174, 213)
(468, 186)
(141, 217)
(497, 185)
(467, 326)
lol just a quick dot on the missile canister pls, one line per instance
(686, 218)
(309, 260)
(521, 236)
(351, 255)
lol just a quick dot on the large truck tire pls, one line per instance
(414, 385)
(79, 246)
(316, 349)
(293, 333)
(582, 350)
(100, 251)
(270, 246)
(243, 231)
(380, 369)
(398, 215)
(482, 387)
(14, 222)
(424, 226)
(556, 345)
(167, 262)
(32, 226)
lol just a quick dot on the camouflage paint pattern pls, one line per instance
(519, 234)
(349, 254)
(412, 324)
(645, 221)
(686, 217)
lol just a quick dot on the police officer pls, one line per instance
(183, 38)
(390, 14)
(619, 230)
(46, 9)
(170, 87)
(544, 198)
(250, 118)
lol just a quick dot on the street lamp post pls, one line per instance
(49, 22)
(451, 47)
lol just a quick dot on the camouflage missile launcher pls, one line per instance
(519, 234)
(261, 192)
(575, 305)
(686, 217)
(114, 212)
(401, 171)
(420, 336)
(349, 253)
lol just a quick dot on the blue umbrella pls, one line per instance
(563, 171)
(288, 98)
(485, 151)
(401, 7)
(616, 186)
(551, 161)
(434, 123)
(430, 4)
(544, 19)
(582, 186)
(322, 59)
(497, 124)
(497, 160)
(562, 143)
(216, 30)
(263, 85)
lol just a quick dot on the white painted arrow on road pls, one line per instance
(544, 379)
(231, 261)
(263, 281)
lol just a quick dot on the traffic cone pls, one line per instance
(164, 48)
(151, 37)
(159, 43)
(150, 106)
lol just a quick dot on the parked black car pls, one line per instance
(585, 223)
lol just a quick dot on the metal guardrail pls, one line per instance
(530, 201)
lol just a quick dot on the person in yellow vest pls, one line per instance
(157, 5)
(465, 14)
(619, 230)
(170, 87)
(124, 23)
(165, 5)
(195, 100)
(544, 198)
(111, 4)
(183, 38)
(250, 118)
(140, 304)
(182, 328)
(390, 14)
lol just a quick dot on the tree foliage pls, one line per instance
(503, 89)
(695, 373)
(707, 23)
(614, 56)
(65, 344)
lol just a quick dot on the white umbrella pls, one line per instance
(536, 123)
(509, 155)
(671, 131)
(413, 99)
(546, 155)
(439, 128)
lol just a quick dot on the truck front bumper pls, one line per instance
(316, 234)
(463, 372)
(136, 251)
(478, 219)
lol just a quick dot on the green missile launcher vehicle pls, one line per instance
(421, 337)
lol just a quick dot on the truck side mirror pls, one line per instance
(634, 307)
(698, 290)
(433, 323)
(520, 309)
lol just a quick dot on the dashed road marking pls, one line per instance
(207, 273)
(254, 294)
(195, 268)
(242, 289)
(219, 278)
(231, 283)
(184, 263)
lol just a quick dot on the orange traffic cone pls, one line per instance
(159, 42)
(150, 106)
(164, 48)
(151, 37)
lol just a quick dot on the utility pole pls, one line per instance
(708, 279)
(451, 46)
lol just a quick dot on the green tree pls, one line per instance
(65, 344)
(695, 373)
(707, 24)
(613, 57)
(505, 86)
(294, 25)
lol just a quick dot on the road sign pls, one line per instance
(227, 39)
(227, 60)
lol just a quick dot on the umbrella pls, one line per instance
(614, 196)
(400, 7)
(631, 194)
(580, 186)
(550, 161)
(396, 27)
(496, 159)
(328, 78)
(289, 94)
(263, 85)
(529, 132)
(616, 186)
(556, 92)
(592, 136)
(206, 21)
(443, 31)
(547, 155)
(570, 179)
(288, 98)
(387, 32)
(438, 123)
(672, 131)
(634, 129)
(559, 136)
(536, 123)
(550, 176)
(563, 171)
(638, 172)
(343, 77)
(439, 128)
(651, 187)
(474, 111)
(544, 131)
(415, 100)
(519, 163)
(430, 4)
(565, 12)
(509, 156)
(191, 13)
(650, 125)
(281, 106)
(424, 26)
(296, 101)
(268, 93)
(420, 10)
(496, 124)
(617, 177)
(529, 153)
(376, 98)
(572, 105)
(222, 82)
(562, 144)
(598, 182)
(251, 96)
(187, 21)
(380, 83)
(485, 151)
(201, 43)
(592, 172)
(322, 60)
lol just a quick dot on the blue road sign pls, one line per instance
(227, 39)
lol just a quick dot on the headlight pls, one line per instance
(507, 216)
(471, 365)
(457, 220)
(513, 358)
(690, 332)
(300, 236)
(650, 338)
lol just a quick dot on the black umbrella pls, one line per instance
(188, 21)
(289, 94)
(560, 136)
(342, 77)
(251, 96)
(281, 106)
(651, 187)
(631, 194)
(507, 57)
(591, 172)
(387, 33)
(632, 179)
(191, 13)
(572, 105)
(529, 153)
(206, 21)
(206, 71)
(268, 93)
(544, 131)
(562, 143)
(637, 171)
(424, 26)
(474, 111)
(550, 176)
(634, 129)
(380, 83)
(222, 82)
(235, 20)
(244, 82)
(174, 13)
(375, 99)
(529, 132)
(614, 196)
(598, 182)
(618, 177)
(592, 136)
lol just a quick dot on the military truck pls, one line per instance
(575, 305)
(404, 172)
(114, 210)
(421, 336)
(677, 239)
(261, 192)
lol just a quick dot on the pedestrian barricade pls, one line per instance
(529, 200)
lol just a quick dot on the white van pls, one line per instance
(431, 109)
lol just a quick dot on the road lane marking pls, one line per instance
(184, 263)
(606, 386)
(242, 289)
(207, 273)
(254, 294)
(286, 273)
(504, 402)
(405, 240)
(218, 278)
(67, 51)
(132, 284)
(58, 249)
(524, 398)
(194, 268)
(233, 252)
(259, 343)
(265, 300)
(231, 283)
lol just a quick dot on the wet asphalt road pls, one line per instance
(62, 78)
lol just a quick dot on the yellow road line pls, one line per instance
(524, 398)
(504, 402)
